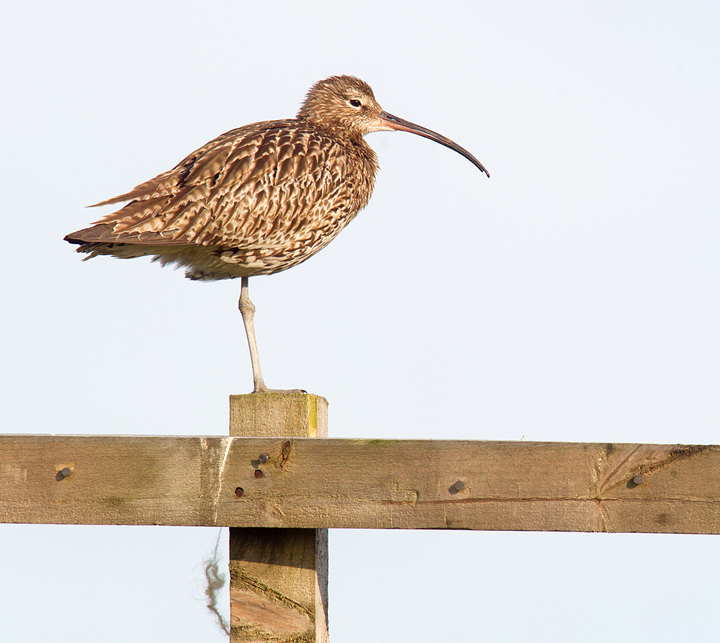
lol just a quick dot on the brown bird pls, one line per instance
(258, 199)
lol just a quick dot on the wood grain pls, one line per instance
(320, 483)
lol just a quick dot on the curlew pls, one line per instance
(258, 199)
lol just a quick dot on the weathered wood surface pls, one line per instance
(315, 483)
(278, 577)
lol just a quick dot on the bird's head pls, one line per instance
(343, 102)
(348, 104)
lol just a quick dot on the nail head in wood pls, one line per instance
(458, 486)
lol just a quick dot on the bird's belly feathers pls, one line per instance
(282, 248)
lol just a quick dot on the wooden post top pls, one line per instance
(279, 414)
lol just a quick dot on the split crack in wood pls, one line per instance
(515, 500)
(285, 454)
(216, 482)
(241, 578)
(645, 459)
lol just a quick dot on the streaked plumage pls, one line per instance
(258, 199)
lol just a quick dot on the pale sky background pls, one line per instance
(573, 296)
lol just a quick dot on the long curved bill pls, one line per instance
(396, 123)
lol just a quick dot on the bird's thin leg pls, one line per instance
(247, 310)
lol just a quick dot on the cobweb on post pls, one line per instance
(215, 581)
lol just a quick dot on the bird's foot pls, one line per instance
(290, 391)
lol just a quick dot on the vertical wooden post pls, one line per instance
(278, 577)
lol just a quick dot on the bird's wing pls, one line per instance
(252, 186)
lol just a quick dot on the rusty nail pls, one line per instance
(239, 492)
(638, 479)
(258, 473)
(262, 459)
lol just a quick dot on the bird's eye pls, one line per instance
(355, 102)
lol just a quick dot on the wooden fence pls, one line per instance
(280, 483)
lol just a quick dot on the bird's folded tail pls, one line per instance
(103, 233)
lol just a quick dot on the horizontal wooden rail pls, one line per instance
(315, 483)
